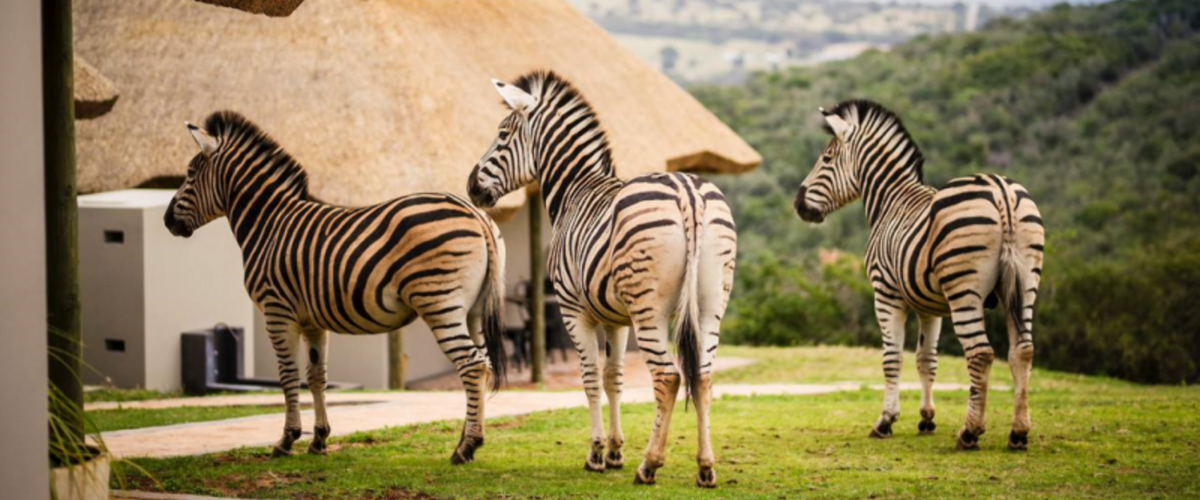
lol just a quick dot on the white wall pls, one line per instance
(516, 240)
(190, 284)
(150, 287)
(24, 470)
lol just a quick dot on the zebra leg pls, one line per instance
(1020, 361)
(891, 323)
(652, 340)
(584, 335)
(705, 460)
(967, 314)
(470, 361)
(714, 289)
(285, 338)
(927, 341)
(614, 370)
(318, 377)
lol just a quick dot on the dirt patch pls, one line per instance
(511, 423)
(390, 494)
(241, 458)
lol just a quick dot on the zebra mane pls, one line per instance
(544, 83)
(859, 110)
(224, 124)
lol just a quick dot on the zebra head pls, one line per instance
(196, 202)
(833, 181)
(509, 163)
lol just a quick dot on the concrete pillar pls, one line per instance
(24, 469)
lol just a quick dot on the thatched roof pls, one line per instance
(376, 98)
(273, 8)
(94, 94)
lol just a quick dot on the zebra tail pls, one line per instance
(493, 308)
(1012, 274)
(687, 336)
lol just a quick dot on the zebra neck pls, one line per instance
(889, 186)
(883, 203)
(257, 198)
(576, 183)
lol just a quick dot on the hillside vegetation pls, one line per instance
(1094, 109)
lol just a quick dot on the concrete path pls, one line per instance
(397, 409)
(561, 376)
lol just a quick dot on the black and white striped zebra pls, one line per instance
(938, 253)
(640, 252)
(312, 267)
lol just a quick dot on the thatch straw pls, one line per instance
(94, 94)
(273, 8)
(376, 98)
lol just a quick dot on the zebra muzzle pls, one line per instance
(806, 213)
(174, 225)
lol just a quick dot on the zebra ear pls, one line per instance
(841, 128)
(518, 100)
(208, 145)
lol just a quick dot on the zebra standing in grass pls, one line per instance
(312, 267)
(978, 240)
(634, 253)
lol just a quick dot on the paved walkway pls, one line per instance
(379, 410)
(560, 376)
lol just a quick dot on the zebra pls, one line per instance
(623, 253)
(951, 252)
(311, 267)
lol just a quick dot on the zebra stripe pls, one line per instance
(939, 253)
(635, 253)
(313, 267)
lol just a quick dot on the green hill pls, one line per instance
(1094, 109)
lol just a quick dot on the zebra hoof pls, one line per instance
(317, 446)
(614, 460)
(643, 476)
(594, 463)
(926, 427)
(967, 440)
(706, 478)
(465, 453)
(1018, 441)
(279, 452)
(882, 430)
(461, 456)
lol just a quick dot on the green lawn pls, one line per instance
(116, 420)
(126, 395)
(1092, 437)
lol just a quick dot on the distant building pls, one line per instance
(376, 100)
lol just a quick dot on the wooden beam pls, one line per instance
(270, 8)
(62, 221)
(537, 273)
(397, 361)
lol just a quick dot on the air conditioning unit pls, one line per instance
(141, 288)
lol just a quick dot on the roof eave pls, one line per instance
(269, 8)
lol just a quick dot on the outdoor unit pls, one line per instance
(141, 288)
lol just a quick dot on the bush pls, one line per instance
(789, 305)
(1137, 320)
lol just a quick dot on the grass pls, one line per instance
(127, 395)
(116, 420)
(831, 364)
(1092, 437)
